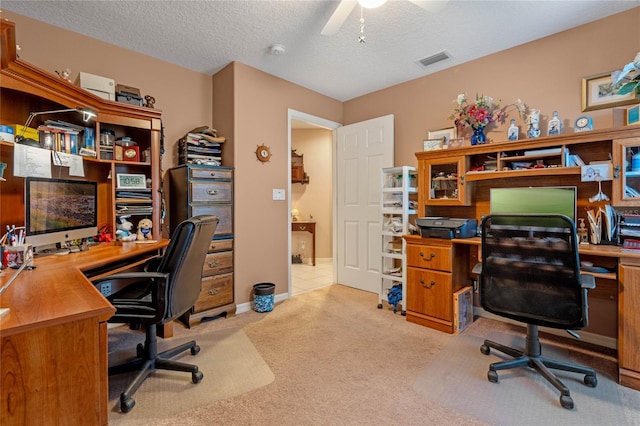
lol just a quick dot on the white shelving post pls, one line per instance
(397, 206)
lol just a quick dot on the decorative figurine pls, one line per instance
(150, 101)
(533, 120)
(512, 133)
(144, 229)
(555, 125)
(123, 230)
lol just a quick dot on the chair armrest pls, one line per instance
(477, 269)
(588, 281)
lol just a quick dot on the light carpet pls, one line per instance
(522, 397)
(230, 363)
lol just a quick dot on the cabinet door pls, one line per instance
(444, 181)
(429, 293)
(629, 318)
(626, 161)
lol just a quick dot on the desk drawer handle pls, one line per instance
(213, 174)
(429, 258)
(212, 191)
(427, 286)
(213, 264)
(213, 292)
(302, 228)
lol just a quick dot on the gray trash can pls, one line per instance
(263, 297)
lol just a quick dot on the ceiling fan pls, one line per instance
(345, 7)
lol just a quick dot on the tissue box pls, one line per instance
(100, 86)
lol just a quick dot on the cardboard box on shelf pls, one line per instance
(100, 86)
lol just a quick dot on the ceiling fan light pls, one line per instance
(371, 4)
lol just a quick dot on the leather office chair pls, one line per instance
(531, 273)
(167, 288)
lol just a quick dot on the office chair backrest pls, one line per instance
(184, 259)
(531, 270)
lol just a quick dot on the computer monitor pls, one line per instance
(59, 210)
(534, 200)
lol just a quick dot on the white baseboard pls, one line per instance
(596, 339)
(248, 306)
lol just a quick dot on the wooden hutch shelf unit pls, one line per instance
(80, 326)
(25, 88)
(452, 184)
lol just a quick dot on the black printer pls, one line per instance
(446, 227)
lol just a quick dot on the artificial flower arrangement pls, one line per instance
(482, 112)
(629, 76)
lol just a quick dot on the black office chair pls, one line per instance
(531, 273)
(167, 288)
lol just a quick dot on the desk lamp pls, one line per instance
(87, 115)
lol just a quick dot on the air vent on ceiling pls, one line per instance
(430, 60)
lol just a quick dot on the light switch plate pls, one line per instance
(278, 194)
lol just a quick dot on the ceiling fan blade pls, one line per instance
(338, 17)
(430, 5)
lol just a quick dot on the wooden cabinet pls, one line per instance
(297, 168)
(196, 190)
(629, 323)
(435, 270)
(444, 178)
(25, 88)
(626, 157)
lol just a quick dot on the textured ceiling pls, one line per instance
(205, 36)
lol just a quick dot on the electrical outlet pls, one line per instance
(303, 244)
(105, 289)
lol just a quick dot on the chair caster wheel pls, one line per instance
(195, 350)
(566, 401)
(492, 376)
(197, 377)
(140, 350)
(591, 380)
(485, 349)
(379, 305)
(127, 405)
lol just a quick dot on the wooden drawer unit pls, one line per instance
(196, 190)
(434, 272)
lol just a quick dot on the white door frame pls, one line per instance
(330, 125)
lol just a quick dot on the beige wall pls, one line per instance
(315, 198)
(183, 96)
(261, 104)
(250, 108)
(546, 74)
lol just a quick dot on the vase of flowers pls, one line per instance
(478, 137)
(479, 114)
(629, 77)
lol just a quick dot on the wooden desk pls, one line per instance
(622, 284)
(53, 353)
(309, 227)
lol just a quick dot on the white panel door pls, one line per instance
(362, 150)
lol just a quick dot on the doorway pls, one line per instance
(314, 138)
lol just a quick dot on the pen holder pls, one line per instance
(15, 256)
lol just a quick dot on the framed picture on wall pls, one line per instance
(597, 93)
(443, 134)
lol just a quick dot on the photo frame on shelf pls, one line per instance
(131, 181)
(597, 93)
(444, 134)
